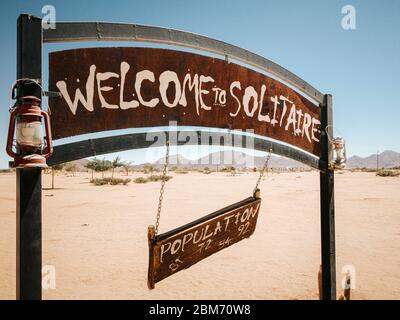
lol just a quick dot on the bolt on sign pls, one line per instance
(116, 88)
(180, 248)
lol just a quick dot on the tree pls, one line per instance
(116, 163)
(149, 168)
(91, 165)
(102, 166)
(54, 168)
(127, 165)
(70, 167)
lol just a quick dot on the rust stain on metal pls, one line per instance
(179, 249)
(116, 88)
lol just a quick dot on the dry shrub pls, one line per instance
(140, 180)
(387, 173)
(152, 178)
(111, 181)
(116, 181)
(158, 177)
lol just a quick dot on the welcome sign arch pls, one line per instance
(98, 89)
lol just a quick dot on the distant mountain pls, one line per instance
(387, 159)
(227, 158)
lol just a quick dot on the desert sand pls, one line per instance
(96, 236)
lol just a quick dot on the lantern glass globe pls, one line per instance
(29, 133)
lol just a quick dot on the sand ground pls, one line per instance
(96, 237)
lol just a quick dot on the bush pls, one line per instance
(116, 181)
(158, 177)
(367, 169)
(181, 172)
(149, 168)
(387, 173)
(167, 178)
(111, 181)
(99, 182)
(140, 180)
(69, 167)
(151, 178)
(228, 169)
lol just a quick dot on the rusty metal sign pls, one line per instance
(116, 88)
(179, 249)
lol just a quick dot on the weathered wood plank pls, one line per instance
(118, 88)
(180, 248)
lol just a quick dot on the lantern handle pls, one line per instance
(49, 145)
(10, 137)
(14, 89)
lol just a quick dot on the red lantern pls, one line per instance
(31, 149)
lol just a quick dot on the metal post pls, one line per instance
(327, 197)
(29, 181)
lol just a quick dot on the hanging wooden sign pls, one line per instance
(116, 88)
(180, 248)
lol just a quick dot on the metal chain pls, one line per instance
(163, 180)
(164, 175)
(263, 169)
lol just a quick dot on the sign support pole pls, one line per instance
(327, 198)
(29, 180)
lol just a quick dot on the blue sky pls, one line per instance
(360, 68)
